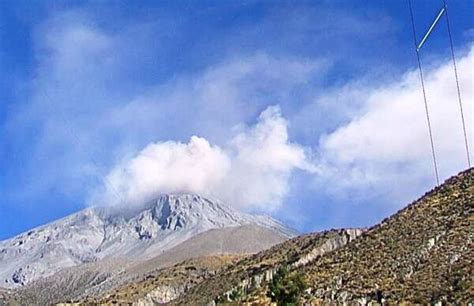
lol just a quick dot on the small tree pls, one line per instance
(286, 289)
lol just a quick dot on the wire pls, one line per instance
(457, 84)
(424, 94)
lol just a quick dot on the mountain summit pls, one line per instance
(97, 233)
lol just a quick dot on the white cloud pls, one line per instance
(87, 107)
(253, 171)
(386, 148)
(166, 167)
(263, 162)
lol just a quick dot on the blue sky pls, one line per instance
(86, 86)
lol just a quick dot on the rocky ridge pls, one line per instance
(95, 234)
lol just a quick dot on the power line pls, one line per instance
(457, 85)
(424, 93)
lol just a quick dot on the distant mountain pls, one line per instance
(96, 234)
(424, 254)
(95, 281)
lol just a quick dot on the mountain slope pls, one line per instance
(95, 281)
(422, 254)
(95, 234)
(164, 285)
(252, 272)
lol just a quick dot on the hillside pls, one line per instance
(252, 272)
(164, 285)
(151, 282)
(422, 254)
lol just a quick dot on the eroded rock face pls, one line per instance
(328, 246)
(18, 277)
(161, 295)
(259, 279)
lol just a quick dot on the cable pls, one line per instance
(457, 84)
(424, 94)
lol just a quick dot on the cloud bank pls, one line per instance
(88, 106)
(385, 149)
(252, 172)
(381, 152)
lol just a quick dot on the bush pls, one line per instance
(286, 289)
(235, 294)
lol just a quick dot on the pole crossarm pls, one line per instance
(431, 28)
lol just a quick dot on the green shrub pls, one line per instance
(286, 289)
(235, 294)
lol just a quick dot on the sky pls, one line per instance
(309, 111)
